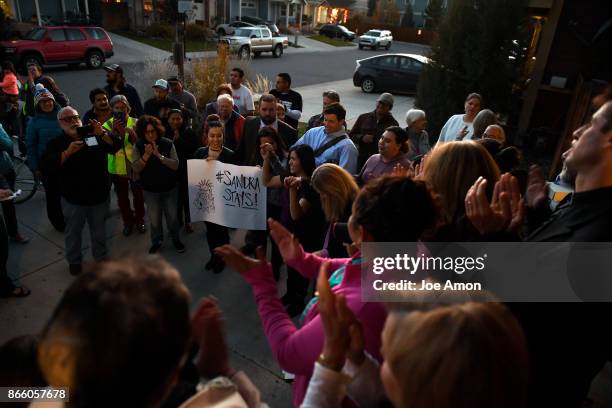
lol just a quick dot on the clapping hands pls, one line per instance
(506, 210)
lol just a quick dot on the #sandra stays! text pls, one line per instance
(412, 264)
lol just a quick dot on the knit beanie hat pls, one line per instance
(41, 94)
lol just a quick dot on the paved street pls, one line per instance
(41, 264)
(307, 66)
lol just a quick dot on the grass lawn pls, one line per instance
(336, 42)
(166, 45)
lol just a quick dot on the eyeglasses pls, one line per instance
(70, 118)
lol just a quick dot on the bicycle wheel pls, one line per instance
(25, 181)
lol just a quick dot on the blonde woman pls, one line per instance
(337, 189)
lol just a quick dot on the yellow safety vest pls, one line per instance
(117, 162)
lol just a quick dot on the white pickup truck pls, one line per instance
(255, 40)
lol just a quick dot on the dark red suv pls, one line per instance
(60, 45)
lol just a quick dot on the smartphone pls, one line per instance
(119, 115)
(84, 131)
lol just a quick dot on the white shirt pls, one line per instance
(243, 99)
(453, 127)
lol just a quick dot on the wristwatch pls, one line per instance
(161, 158)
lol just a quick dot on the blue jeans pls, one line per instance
(158, 203)
(76, 216)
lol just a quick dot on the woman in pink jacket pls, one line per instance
(388, 209)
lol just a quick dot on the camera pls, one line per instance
(84, 131)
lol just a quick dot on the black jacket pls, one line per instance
(186, 144)
(132, 96)
(226, 155)
(83, 177)
(247, 153)
(156, 177)
(154, 107)
(585, 218)
(563, 335)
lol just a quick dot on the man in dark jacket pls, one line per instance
(576, 335)
(248, 151)
(160, 104)
(370, 126)
(117, 85)
(81, 162)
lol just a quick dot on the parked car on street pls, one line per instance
(255, 40)
(228, 29)
(337, 31)
(376, 39)
(70, 45)
(389, 72)
(261, 22)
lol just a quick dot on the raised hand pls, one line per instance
(239, 261)
(537, 191)
(97, 127)
(74, 147)
(156, 150)
(288, 245)
(209, 333)
(148, 151)
(504, 213)
(132, 137)
(5, 193)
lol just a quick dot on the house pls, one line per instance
(418, 9)
(570, 63)
(42, 12)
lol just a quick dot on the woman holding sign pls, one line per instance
(216, 235)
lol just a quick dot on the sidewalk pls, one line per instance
(42, 267)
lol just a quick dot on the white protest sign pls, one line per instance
(229, 195)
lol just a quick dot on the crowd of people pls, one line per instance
(330, 190)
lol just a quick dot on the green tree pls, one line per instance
(434, 13)
(408, 17)
(480, 48)
(371, 7)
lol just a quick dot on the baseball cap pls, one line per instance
(161, 83)
(386, 98)
(174, 79)
(114, 68)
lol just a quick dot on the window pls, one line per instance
(74, 34)
(57, 35)
(406, 64)
(248, 4)
(387, 62)
(36, 34)
(96, 33)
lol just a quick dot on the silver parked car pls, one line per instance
(376, 39)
